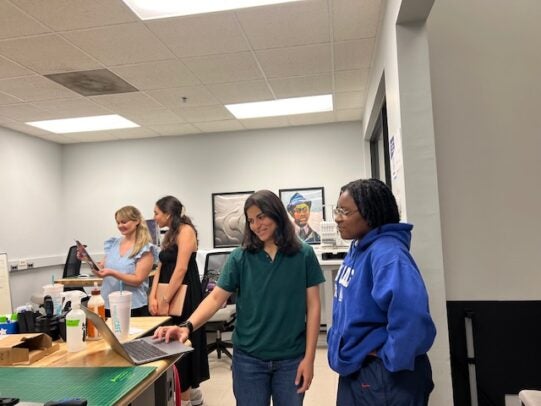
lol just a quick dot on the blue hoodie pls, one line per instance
(380, 303)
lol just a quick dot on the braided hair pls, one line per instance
(172, 206)
(374, 200)
(284, 237)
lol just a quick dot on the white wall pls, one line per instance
(31, 200)
(101, 177)
(86, 183)
(401, 60)
(485, 65)
(31, 209)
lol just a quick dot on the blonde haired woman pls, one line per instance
(129, 259)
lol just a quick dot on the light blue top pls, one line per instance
(126, 265)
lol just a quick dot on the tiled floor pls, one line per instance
(218, 390)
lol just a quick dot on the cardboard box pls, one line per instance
(25, 348)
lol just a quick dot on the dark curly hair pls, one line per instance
(172, 206)
(284, 236)
(374, 200)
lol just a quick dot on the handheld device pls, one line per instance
(86, 257)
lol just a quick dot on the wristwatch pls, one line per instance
(188, 324)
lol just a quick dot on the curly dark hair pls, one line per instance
(172, 206)
(284, 236)
(374, 200)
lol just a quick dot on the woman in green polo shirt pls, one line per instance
(275, 277)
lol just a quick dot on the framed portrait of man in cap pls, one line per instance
(305, 209)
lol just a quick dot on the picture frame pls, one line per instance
(228, 219)
(305, 208)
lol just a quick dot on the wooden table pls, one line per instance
(99, 354)
(77, 282)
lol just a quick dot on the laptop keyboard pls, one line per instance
(142, 350)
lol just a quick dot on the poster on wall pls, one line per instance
(228, 218)
(305, 209)
(395, 154)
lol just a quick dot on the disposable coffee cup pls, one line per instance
(55, 291)
(120, 308)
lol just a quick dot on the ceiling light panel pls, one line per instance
(282, 107)
(154, 9)
(84, 124)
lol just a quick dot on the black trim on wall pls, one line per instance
(507, 343)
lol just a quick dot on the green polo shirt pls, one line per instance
(271, 300)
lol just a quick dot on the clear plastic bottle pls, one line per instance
(75, 323)
(97, 305)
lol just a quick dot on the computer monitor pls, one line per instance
(72, 267)
(154, 231)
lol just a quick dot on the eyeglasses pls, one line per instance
(339, 211)
(301, 210)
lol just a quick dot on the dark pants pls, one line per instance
(373, 385)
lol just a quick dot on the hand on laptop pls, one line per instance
(169, 333)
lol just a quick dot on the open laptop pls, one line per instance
(140, 350)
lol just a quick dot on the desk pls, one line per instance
(330, 268)
(77, 282)
(152, 390)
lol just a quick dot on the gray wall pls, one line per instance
(89, 182)
(485, 64)
(401, 75)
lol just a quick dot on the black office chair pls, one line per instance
(224, 319)
(72, 268)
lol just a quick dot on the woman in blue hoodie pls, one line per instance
(381, 328)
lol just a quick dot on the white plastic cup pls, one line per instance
(55, 291)
(120, 308)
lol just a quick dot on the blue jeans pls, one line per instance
(373, 385)
(255, 381)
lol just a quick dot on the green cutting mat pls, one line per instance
(99, 386)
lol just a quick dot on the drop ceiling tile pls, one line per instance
(349, 115)
(10, 69)
(224, 68)
(353, 54)
(302, 86)
(47, 54)
(63, 15)
(195, 96)
(207, 34)
(15, 23)
(7, 99)
(120, 44)
(133, 133)
(24, 112)
(346, 15)
(132, 102)
(56, 138)
(265, 122)
(241, 92)
(219, 126)
(80, 107)
(156, 75)
(350, 80)
(175, 129)
(312, 118)
(349, 100)
(286, 25)
(154, 117)
(92, 136)
(204, 113)
(34, 88)
(296, 61)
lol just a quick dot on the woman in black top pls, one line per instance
(178, 267)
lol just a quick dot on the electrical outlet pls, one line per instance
(23, 264)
